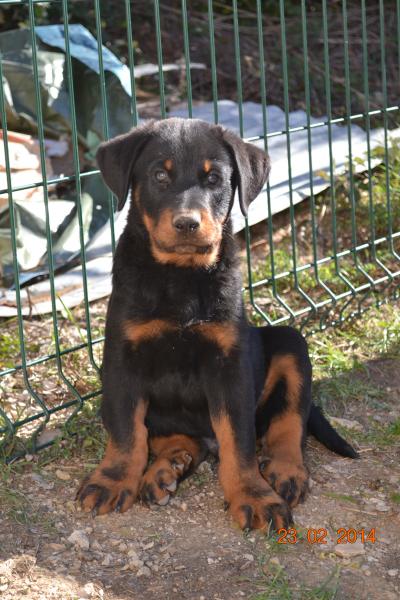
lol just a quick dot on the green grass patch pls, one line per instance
(84, 435)
(374, 211)
(9, 346)
(342, 357)
(379, 435)
(17, 505)
(276, 586)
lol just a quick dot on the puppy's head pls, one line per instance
(183, 174)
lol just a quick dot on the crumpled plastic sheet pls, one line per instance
(83, 47)
(19, 92)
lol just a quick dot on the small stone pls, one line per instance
(136, 563)
(346, 423)
(76, 566)
(79, 539)
(123, 547)
(70, 506)
(204, 467)
(56, 547)
(107, 560)
(63, 475)
(48, 435)
(249, 557)
(125, 531)
(275, 561)
(210, 561)
(144, 572)
(349, 550)
(148, 546)
(6, 568)
(96, 546)
(393, 572)
(42, 483)
(184, 506)
(87, 556)
(88, 591)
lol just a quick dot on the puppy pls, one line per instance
(182, 366)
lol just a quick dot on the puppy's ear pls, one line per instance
(251, 168)
(116, 159)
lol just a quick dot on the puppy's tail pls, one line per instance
(322, 430)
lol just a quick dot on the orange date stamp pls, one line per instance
(321, 536)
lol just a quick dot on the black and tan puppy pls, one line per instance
(181, 364)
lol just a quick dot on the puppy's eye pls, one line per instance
(213, 178)
(161, 176)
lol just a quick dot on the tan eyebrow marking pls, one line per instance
(168, 164)
(207, 165)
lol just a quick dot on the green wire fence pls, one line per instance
(315, 265)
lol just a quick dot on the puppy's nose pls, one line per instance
(187, 222)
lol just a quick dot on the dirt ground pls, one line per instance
(190, 549)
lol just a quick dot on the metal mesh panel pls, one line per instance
(337, 277)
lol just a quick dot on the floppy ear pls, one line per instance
(116, 159)
(252, 167)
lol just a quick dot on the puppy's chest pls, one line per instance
(179, 341)
(177, 323)
(184, 301)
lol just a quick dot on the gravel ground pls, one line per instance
(190, 549)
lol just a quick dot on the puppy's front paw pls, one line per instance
(257, 506)
(290, 481)
(161, 478)
(102, 492)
